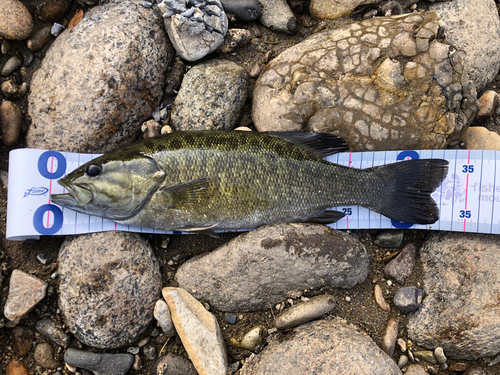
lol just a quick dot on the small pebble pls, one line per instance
(48, 328)
(100, 363)
(458, 367)
(477, 370)
(256, 336)
(22, 338)
(402, 344)
(172, 364)
(379, 298)
(402, 361)
(56, 29)
(234, 39)
(401, 267)
(390, 336)
(41, 258)
(408, 299)
(389, 238)
(133, 350)
(16, 367)
(305, 312)
(44, 356)
(255, 71)
(162, 315)
(12, 64)
(149, 352)
(10, 88)
(488, 101)
(230, 319)
(166, 129)
(426, 355)
(25, 291)
(439, 354)
(416, 370)
(137, 366)
(39, 38)
(150, 129)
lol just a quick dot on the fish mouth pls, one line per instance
(77, 195)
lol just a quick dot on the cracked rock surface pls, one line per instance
(382, 84)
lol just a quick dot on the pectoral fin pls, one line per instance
(326, 217)
(187, 193)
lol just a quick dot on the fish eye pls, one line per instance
(93, 170)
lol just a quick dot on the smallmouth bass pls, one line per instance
(204, 180)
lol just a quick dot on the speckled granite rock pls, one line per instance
(461, 312)
(109, 284)
(98, 82)
(16, 21)
(211, 97)
(324, 347)
(383, 83)
(473, 27)
(266, 266)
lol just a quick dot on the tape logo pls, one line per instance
(36, 191)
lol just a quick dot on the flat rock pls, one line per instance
(328, 347)
(473, 27)
(479, 138)
(277, 16)
(99, 81)
(267, 265)
(25, 291)
(199, 332)
(100, 363)
(462, 284)
(109, 284)
(376, 83)
(211, 97)
(194, 39)
(16, 21)
(332, 9)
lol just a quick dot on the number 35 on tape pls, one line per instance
(469, 198)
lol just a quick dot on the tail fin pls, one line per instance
(408, 186)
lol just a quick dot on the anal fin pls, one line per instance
(207, 230)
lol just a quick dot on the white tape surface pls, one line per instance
(469, 198)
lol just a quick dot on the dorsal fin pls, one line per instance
(321, 143)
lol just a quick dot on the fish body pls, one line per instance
(234, 180)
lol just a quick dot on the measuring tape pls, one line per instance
(468, 199)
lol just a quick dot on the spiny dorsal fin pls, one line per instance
(321, 143)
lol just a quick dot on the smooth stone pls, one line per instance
(234, 39)
(459, 310)
(266, 266)
(305, 312)
(408, 299)
(194, 45)
(389, 238)
(11, 65)
(402, 361)
(198, 330)
(16, 21)
(25, 291)
(390, 336)
(50, 10)
(230, 318)
(332, 9)
(162, 315)
(245, 10)
(328, 347)
(426, 355)
(380, 299)
(109, 283)
(172, 364)
(401, 344)
(367, 82)
(477, 370)
(97, 82)
(439, 354)
(401, 267)
(252, 339)
(22, 340)
(479, 138)
(416, 369)
(48, 328)
(211, 97)
(473, 27)
(488, 102)
(39, 38)
(277, 16)
(100, 363)
(11, 119)
(44, 356)
(16, 367)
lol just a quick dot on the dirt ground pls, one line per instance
(361, 310)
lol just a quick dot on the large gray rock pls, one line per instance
(110, 282)
(211, 97)
(382, 84)
(99, 82)
(461, 312)
(265, 266)
(324, 347)
(473, 27)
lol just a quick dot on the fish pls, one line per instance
(211, 180)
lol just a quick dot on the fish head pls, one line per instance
(114, 187)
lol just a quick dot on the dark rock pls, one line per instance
(477, 370)
(389, 238)
(100, 364)
(408, 299)
(171, 364)
(401, 267)
(22, 338)
(48, 328)
(44, 356)
(230, 319)
(49, 10)
(11, 120)
(245, 10)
